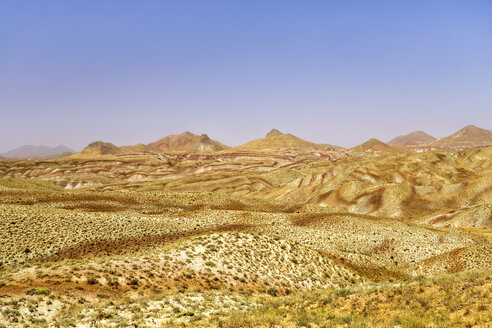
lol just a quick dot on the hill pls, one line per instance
(468, 137)
(276, 140)
(139, 149)
(31, 151)
(96, 149)
(140, 241)
(415, 138)
(374, 146)
(187, 142)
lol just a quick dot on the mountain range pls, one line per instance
(187, 142)
(31, 151)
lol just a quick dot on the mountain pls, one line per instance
(96, 149)
(413, 139)
(275, 140)
(468, 137)
(30, 151)
(374, 146)
(187, 142)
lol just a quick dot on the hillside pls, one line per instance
(374, 146)
(30, 151)
(177, 239)
(276, 140)
(187, 142)
(413, 139)
(97, 149)
(468, 137)
(139, 149)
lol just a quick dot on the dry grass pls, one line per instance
(240, 238)
(447, 301)
(461, 300)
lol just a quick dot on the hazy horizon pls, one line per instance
(225, 143)
(337, 73)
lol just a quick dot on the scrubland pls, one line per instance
(245, 239)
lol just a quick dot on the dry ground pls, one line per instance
(289, 238)
(460, 300)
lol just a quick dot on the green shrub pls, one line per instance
(38, 291)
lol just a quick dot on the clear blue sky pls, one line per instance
(336, 72)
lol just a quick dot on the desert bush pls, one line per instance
(38, 291)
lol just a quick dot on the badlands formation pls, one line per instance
(278, 232)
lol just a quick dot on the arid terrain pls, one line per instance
(279, 232)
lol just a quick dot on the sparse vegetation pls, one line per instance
(244, 240)
(38, 291)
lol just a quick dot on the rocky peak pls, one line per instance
(274, 132)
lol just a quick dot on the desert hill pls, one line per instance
(374, 146)
(273, 133)
(275, 140)
(168, 242)
(468, 137)
(139, 149)
(187, 142)
(98, 148)
(31, 151)
(415, 138)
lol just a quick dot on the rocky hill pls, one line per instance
(374, 146)
(187, 142)
(413, 139)
(468, 137)
(276, 140)
(97, 149)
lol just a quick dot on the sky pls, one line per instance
(336, 72)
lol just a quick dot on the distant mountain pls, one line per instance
(30, 151)
(413, 139)
(275, 140)
(374, 146)
(96, 149)
(468, 137)
(187, 142)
